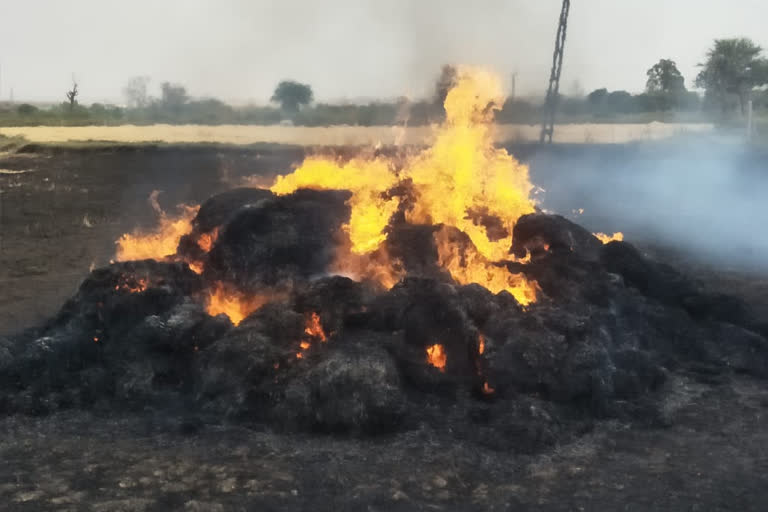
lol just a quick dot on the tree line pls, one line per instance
(733, 73)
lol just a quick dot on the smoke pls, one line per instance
(705, 197)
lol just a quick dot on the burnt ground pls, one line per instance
(64, 215)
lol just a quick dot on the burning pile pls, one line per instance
(379, 293)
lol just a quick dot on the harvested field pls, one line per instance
(343, 135)
(63, 214)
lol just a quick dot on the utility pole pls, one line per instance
(553, 90)
(514, 85)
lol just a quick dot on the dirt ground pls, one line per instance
(63, 212)
(60, 213)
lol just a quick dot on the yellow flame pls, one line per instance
(160, 242)
(366, 179)
(464, 173)
(466, 266)
(616, 237)
(462, 180)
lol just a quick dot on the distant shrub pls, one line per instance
(25, 109)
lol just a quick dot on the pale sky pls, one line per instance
(238, 50)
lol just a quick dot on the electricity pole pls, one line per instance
(553, 91)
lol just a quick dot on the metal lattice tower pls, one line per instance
(553, 91)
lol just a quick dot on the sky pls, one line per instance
(238, 50)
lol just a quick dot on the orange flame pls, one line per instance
(234, 304)
(436, 356)
(480, 344)
(314, 328)
(131, 284)
(206, 240)
(616, 237)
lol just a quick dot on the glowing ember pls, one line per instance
(304, 345)
(461, 181)
(616, 237)
(131, 284)
(234, 304)
(487, 389)
(160, 242)
(480, 344)
(314, 328)
(436, 356)
(206, 240)
(196, 266)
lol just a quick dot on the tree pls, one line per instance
(135, 92)
(620, 101)
(597, 97)
(733, 66)
(72, 96)
(173, 97)
(448, 78)
(291, 95)
(25, 109)
(665, 86)
(665, 78)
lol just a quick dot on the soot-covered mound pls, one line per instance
(327, 353)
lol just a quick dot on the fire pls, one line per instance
(436, 356)
(160, 242)
(234, 304)
(463, 173)
(480, 344)
(314, 328)
(376, 266)
(206, 240)
(195, 266)
(487, 389)
(131, 284)
(462, 180)
(616, 237)
(368, 180)
(466, 265)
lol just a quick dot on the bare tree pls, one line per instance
(72, 96)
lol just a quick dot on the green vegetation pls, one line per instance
(733, 73)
